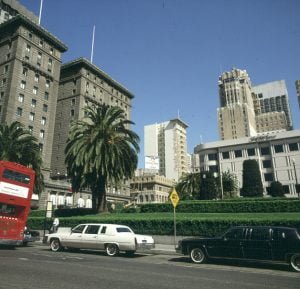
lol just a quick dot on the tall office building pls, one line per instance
(167, 142)
(30, 60)
(82, 84)
(248, 110)
(236, 115)
(274, 103)
(297, 83)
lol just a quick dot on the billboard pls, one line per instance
(152, 162)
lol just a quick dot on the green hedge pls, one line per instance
(187, 224)
(265, 205)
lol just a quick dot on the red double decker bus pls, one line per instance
(16, 187)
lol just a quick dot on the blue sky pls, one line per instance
(170, 53)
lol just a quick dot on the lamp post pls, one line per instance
(297, 188)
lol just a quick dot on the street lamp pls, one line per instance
(297, 186)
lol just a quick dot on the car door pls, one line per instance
(228, 246)
(258, 244)
(74, 240)
(103, 237)
(90, 237)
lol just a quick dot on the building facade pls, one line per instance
(236, 115)
(247, 110)
(12, 8)
(30, 61)
(278, 156)
(147, 187)
(83, 84)
(167, 142)
(274, 104)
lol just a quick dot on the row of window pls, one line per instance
(39, 58)
(40, 42)
(21, 99)
(19, 113)
(113, 91)
(279, 148)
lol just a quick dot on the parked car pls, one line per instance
(112, 238)
(279, 244)
(30, 236)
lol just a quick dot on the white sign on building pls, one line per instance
(152, 162)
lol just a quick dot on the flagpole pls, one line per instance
(93, 39)
(40, 15)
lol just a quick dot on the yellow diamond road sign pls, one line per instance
(174, 198)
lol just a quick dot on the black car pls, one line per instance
(279, 244)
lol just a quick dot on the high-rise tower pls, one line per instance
(274, 105)
(30, 60)
(167, 141)
(236, 116)
(82, 84)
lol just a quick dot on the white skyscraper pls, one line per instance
(167, 142)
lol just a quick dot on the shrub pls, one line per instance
(228, 206)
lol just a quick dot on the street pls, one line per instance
(36, 267)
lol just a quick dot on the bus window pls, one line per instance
(16, 176)
(7, 209)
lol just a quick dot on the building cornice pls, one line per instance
(23, 20)
(83, 62)
(259, 138)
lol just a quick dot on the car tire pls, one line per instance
(55, 245)
(197, 255)
(112, 250)
(295, 262)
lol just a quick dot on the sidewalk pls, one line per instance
(163, 249)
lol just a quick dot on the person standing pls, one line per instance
(55, 225)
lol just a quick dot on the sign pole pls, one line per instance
(174, 226)
(174, 198)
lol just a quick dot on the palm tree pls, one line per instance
(18, 145)
(101, 150)
(188, 186)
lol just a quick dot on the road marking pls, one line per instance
(24, 259)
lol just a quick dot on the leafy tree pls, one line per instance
(252, 184)
(188, 186)
(209, 188)
(230, 185)
(18, 145)
(101, 150)
(276, 189)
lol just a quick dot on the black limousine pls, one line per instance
(261, 243)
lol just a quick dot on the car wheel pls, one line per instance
(197, 255)
(112, 250)
(55, 245)
(295, 262)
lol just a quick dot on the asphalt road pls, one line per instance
(35, 267)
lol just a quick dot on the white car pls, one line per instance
(109, 237)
